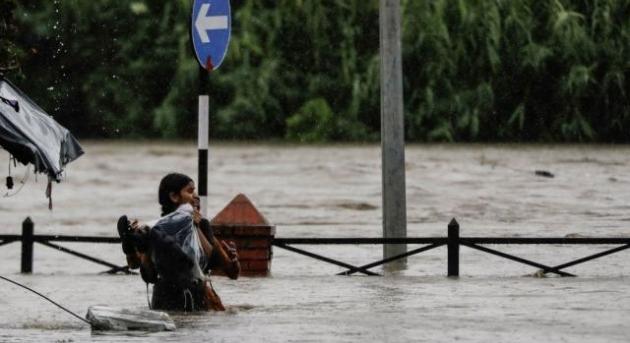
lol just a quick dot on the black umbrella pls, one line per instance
(32, 136)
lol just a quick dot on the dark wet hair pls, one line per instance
(171, 183)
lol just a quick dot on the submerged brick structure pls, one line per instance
(242, 223)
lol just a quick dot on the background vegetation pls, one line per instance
(308, 70)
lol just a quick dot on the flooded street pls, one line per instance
(335, 191)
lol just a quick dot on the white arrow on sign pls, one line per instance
(203, 23)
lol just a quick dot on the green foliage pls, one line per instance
(10, 53)
(313, 122)
(288, 58)
(308, 70)
(110, 68)
(517, 70)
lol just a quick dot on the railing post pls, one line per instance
(453, 248)
(27, 245)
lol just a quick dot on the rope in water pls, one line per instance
(45, 297)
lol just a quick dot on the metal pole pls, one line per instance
(202, 142)
(392, 131)
(453, 248)
(27, 245)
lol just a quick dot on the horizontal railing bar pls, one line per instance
(65, 238)
(361, 240)
(10, 237)
(546, 240)
(443, 240)
(364, 240)
(83, 239)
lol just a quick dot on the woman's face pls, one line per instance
(185, 196)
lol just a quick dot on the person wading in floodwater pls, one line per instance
(177, 252)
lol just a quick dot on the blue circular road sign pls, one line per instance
(211, 26)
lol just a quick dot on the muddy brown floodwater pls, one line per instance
(335, 191)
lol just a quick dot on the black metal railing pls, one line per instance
(28, 238)
(452, 241)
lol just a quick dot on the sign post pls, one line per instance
(211, 26)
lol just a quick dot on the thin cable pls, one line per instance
(45, 297)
